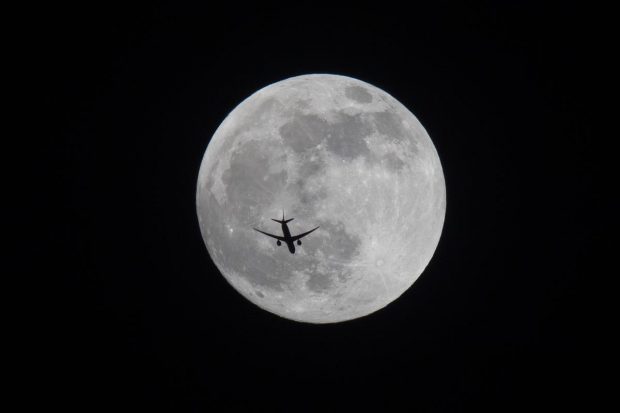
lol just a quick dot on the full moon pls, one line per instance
(329, 151)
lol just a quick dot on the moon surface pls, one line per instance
(334, 152)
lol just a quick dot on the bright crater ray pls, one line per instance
(331, 151)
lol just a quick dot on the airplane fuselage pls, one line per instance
(287, 238)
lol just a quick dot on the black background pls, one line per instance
(142, 320)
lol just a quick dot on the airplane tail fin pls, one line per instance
(283, 221)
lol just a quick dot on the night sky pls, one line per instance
(142, 320)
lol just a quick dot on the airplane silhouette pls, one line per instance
(290, 241)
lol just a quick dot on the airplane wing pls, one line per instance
(300, 236)
(271, 235)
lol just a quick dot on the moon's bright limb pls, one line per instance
(334, 152)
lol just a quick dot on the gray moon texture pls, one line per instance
(334, 152)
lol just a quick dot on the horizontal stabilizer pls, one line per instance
(282, 221)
